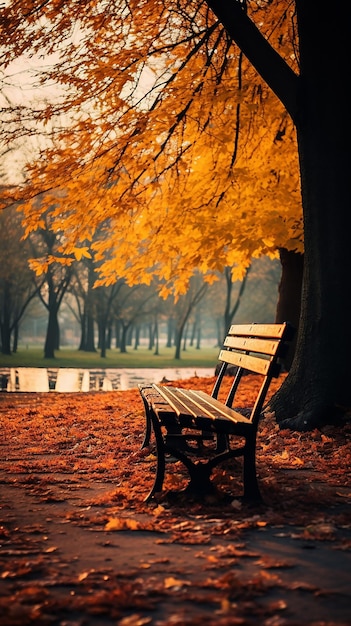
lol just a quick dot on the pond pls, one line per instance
(41, 379)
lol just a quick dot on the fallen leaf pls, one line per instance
(175, 583)
(123, 523)
(51, 549)
(134, 620)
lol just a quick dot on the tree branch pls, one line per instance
(267, 62)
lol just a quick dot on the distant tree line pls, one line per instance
(113, 316)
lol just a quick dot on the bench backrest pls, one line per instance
(256, 348)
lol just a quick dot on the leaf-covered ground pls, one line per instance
(79, 546)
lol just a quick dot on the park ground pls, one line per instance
(80, 547)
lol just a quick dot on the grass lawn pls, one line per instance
(65, 357)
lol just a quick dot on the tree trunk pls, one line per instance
(318, 387)
(178, 343)
(137, 337)
(151, 336)
(123, 338)
(130, 335)
(15, 337)
(108, 337)
(198, 337)
(289, 300)
(157, 351)
(193, 333)
(118, 333)
(219, 331)
(185, 337)
(90, 338)
(196, 332)
(83, 339)
(179, 335)
(232, 308)
(170, 332)
(5, 339)
(51, 339)
(102, 331)
(5, 322)
(89, 311)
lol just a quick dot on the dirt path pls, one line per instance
(58, 569)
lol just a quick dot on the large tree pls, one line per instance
(317, 387)
(200, 193)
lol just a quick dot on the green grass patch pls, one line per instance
(141, 358)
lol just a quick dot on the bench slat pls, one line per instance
(250, 344)
(252, 363)
(258, 330)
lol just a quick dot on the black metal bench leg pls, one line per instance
(222, 443)
(147, 433)
(200, 483)
(161, 462)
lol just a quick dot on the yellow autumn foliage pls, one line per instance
(171, 155)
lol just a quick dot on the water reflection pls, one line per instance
(42, 379)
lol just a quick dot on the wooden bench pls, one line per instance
(202, 431)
